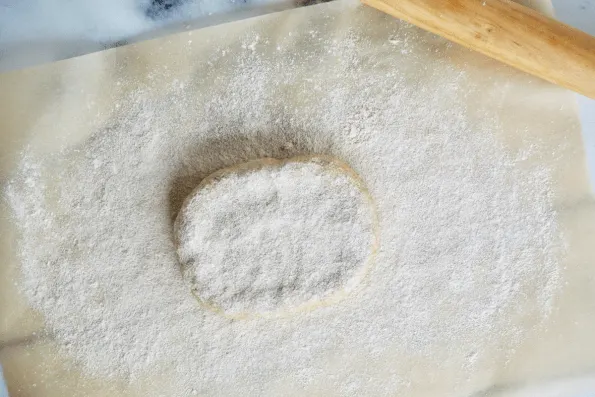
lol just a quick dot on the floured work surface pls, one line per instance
(483, 277)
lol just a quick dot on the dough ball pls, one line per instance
(273, 237)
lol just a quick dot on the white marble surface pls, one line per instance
(579, 13)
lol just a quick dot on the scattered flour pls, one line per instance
(469, 244)
(269, 238)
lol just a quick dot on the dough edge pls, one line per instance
(330, 164)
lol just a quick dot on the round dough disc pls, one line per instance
(274, 237)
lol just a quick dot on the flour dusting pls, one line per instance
(469, 242)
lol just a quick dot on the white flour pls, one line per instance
(469, 242)
(269, 238)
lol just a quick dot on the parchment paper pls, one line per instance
(63, 104)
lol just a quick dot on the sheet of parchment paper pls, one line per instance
(58, 106)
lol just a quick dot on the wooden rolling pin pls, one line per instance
(508, 32)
